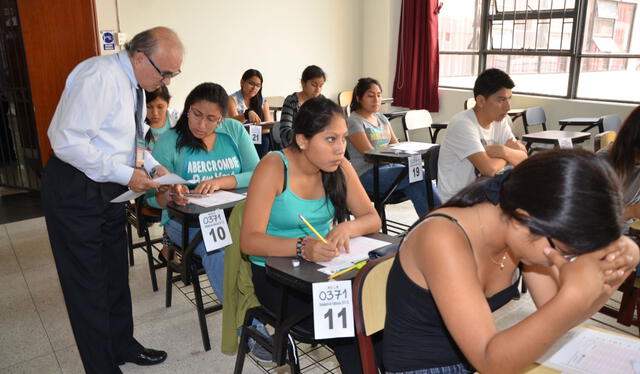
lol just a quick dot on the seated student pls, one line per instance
(310, 177)
(460, 263)
(624, 155)
(312, 80)
(160, 117)
(479, 138)
(214, 151)
(248, 105)
(370, 129)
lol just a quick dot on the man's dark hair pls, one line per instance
(491, 81)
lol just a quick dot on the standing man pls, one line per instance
(95, 134)
(479, 138)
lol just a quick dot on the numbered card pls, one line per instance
(215, 231)
(332, 310)
(415, 169)
(565, 143)
(255, 132)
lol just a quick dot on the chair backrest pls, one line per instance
(275, 101)
(344, 98)
(469, 103)
(534, 116)
(370, 307)
(416, 119)
(603, 139)
(611, 122)
(431, 160)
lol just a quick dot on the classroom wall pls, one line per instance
(278, 37)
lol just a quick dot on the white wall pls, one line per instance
(278, 37)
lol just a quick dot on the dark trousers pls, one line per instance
(88, 239)
(268, 292)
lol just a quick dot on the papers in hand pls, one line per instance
(359, 248)
(163, 180)
(217, 198)
(591, 350)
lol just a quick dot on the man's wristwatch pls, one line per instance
(154, 171)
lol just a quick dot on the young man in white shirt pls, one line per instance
(479, 138)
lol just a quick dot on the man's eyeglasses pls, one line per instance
(163, 74)
(569, 258)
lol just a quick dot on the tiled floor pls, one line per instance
(35, 335)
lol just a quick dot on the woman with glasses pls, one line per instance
(160, 117)
(248, 105)
(214, 152)
(558, 214)
(313, 78)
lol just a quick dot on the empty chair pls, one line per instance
(421, 119)
(469, 103)
(534, 116)
(611, 122)
(344, 99)
(603, 139)
(275, 104)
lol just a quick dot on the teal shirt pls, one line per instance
(155, 134)
(233, 154)
(284, 221)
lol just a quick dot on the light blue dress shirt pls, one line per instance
(93, 128)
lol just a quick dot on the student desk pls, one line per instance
(300, 278)
(553, 136)
(378, 156)
(586, 122)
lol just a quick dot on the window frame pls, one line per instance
(574, 53)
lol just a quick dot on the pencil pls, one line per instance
(359, 265)
(312, 229)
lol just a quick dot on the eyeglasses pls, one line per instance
(253, 84)
(163, 74)
(569, 258)
(199, 116)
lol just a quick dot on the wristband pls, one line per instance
(300, 247)
(246, 114)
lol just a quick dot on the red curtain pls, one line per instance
(416, 81)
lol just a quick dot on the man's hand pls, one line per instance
(516, 144)
(160, 171)
(141, 182)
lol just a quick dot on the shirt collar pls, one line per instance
(125, 62)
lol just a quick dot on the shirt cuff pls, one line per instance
(123, 174)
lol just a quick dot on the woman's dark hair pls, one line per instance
(312, 72)
(359, 90)
(162, 92)
(255, 103)
(314, 115)
(211, 92)
(625, 149)
(569, 194)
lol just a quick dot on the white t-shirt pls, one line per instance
(464, 137)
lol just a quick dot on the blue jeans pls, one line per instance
(416, 192)
(213, 262)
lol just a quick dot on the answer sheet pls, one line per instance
(359, 248)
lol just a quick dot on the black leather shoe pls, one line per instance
(148, 357)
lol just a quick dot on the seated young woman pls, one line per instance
(313, 78)
(160, 117)
(214, 151)
(310, 177)
(248, 105)
(460, 263)
(624, 155)
(370, 129)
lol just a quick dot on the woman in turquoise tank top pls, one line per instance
(310, 177)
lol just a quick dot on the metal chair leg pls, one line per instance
(152, 268)
(130, 244)
(200, 306)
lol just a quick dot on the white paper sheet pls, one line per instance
(411, 146)
(359, 248)
(217, 198)
(586, 350)
(163, 180)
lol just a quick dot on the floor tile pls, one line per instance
(46, 364)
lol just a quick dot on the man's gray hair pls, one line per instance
(144, 42)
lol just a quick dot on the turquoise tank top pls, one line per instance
(284, 221)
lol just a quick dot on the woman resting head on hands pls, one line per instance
(211, 150)
(558, 213)
(248, 105)
(310, 177)
(312, 81)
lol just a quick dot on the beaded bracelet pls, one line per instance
(300, 247)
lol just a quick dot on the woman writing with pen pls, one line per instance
(213, 152)
(310, 177)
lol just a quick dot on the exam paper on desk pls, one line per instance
(411, 146)
(217, 198)
(359, 248)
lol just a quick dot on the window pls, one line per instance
(564, 48)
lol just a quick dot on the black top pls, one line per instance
(415, 336)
